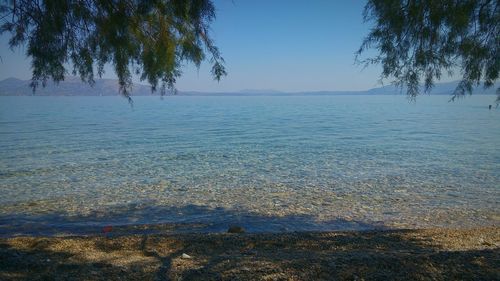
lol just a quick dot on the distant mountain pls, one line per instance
(446, 88)
(73, 86)
(260, 91)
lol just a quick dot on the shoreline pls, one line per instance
(435, 253)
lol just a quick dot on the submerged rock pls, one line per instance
(236, 229)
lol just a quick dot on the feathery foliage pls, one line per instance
(419, 39)
(150, 38)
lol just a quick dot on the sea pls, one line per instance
(73, 165)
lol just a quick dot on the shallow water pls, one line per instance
(75, 164)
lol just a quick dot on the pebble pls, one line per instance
(186, 256)
(249, 252)
(236, 229)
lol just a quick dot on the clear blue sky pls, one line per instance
(285, 45)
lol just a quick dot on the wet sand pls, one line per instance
(431, 254)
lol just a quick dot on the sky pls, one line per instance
(282, 45)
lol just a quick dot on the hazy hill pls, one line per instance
(73, 86)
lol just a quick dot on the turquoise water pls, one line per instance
(75, 164)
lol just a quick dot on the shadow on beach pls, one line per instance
(154, 252)
(379, 255)
(148, 219)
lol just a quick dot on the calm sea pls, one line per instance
(76, 164)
